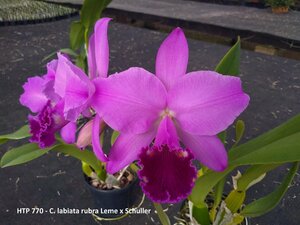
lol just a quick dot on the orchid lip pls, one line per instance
(167, 174)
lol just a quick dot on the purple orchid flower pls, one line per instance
(64, 93)
(77, 89)
(40, 98)
(171, 107)
(73, 84)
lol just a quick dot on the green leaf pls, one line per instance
(235, 200)
(114, 136)
(239, 131)
(222, 136)
(23, 132)
(205, 184)
(68, 51)
(201, 215)
(22, 154)
(286, 129)
(91, 11)
(86, 169)
(230, 63)
(267, 203)
(81, 60)
(102, 174)
(260, 150)
(218, 194)
(47, 57)
(237, 219)
(284, 150)
(252, 174)
(83, 155)
(164, 219)
(63, 50)
(76, 35)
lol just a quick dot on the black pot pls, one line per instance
(113, 203)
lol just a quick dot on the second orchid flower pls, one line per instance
(172, 107)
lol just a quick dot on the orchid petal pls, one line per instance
(206, 102)
(95, 139)
(73, 86)
(51, 70)
(68, 133)
(209, 150)
(172, 58)
(61, 75)
(101, 46)
(58, 113)
(166, 133)
(77, 94)
(126, 149)
(65, 69)
(50, 80)
(130, 101)
(92, 58)
(50, 93)
(33, 96)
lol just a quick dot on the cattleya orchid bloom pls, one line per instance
(40, 98)
(171, 107)
(65, 92)
(72, 83)
(79, 89)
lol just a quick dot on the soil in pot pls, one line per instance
(112, 201)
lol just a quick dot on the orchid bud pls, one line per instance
(85, 135)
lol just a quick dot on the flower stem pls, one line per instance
(163, 217)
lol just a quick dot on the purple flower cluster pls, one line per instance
(164, 120)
